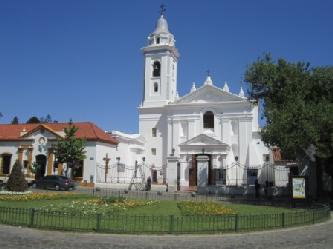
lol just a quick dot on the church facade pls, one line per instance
(209, 137)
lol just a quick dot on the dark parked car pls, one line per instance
(55, 182)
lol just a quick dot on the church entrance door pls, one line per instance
(6, 160)
(41, 161)
(193, 172)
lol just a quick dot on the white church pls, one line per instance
(206, 139)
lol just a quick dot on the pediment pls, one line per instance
(41, 129)
(201, 140)
(208, 94)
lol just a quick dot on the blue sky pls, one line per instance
(81, 59)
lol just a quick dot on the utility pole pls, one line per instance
(118, 159)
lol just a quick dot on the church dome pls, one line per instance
(161, 26)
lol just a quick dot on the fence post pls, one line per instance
(32, 217)
(171, 223)
(236, 222)
(98, 222)
(282, 220)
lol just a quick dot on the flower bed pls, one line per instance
(28, 196)
(14, 193)
(203, 208)
(97, 206)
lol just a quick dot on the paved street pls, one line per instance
(316, 236)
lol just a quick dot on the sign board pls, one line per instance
(298, 184)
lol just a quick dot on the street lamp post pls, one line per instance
(118, 159)
(236, 159)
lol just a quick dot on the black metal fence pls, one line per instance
(188, 196)
(114, 223)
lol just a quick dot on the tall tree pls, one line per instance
(15, 120)
(33, 120)
(70, 149)
(298, 107)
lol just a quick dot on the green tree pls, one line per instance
(298, 107)
(47, 119)
(70, 149)
(16, 181)
(15, 120)
(33, 120)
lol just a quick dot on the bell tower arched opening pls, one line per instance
(156, 69)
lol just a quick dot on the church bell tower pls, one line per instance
(160, 73)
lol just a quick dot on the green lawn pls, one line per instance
(159, 217)
(164, 207)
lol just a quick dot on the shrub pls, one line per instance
(16, 181)
(112, 199)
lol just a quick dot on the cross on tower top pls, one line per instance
(162, 9)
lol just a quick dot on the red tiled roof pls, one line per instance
(86, 130)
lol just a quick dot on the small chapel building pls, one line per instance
(207, 138)
(35, 143)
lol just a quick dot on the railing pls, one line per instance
(161, 195)
(117, 223)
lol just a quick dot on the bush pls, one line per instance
(16, 181)
(113, 199)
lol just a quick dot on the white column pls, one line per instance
(172, 170)
(244, 137)
(170, 136)
(202, 171)
(226, 131)
(191, 129)
(176, 127)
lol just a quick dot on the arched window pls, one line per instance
(155, 87)
(156, 69)
(208, 120)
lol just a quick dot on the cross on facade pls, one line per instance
(107, 160)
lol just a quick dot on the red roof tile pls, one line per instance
(86, 130)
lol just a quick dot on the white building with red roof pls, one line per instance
(29, 143)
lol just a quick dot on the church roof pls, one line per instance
(161, 25)
(203, 139)
(208, 93)
(86, 130)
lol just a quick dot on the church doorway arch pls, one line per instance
(41, 160)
